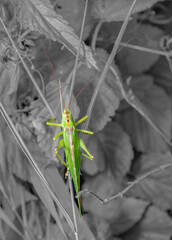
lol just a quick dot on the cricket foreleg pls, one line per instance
(82, 145)
(50, 122)
(60, 145)
(84, 119)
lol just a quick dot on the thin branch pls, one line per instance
(108, 63)
(125, 190)
(145, 49)
(133, 101)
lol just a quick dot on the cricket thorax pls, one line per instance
(67, 118)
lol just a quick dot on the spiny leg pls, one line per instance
(82, 145)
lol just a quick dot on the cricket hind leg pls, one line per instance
(67, 172)
(82, 145)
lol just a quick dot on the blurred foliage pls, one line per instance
(124, 145)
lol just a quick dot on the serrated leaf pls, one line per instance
(95, 146)
(110, 10)
(156, 224)
(114, 149)
(39, 15)
(157, 187)
(103, 185)
(143, 134)
(108, 97)
(133, 61)
(132, 211)
(162, 74)
(66, 8)
(118, 149)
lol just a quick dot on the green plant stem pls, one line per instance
(108, 63)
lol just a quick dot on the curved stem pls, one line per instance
(96, 31)
(125, 190)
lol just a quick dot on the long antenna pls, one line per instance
(77, 56)
(55, 75)
(96, 74)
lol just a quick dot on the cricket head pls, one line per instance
(67, 119)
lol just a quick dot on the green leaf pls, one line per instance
(60, 189)
(156, 224)
(46, 199)
(132, 211)
(133, 61)
(111, 146)
(111, 10)
(108, 97)
(143, 136)
(162, 74)
(104, 185)
(157, 187)
(39, 15)
(66, 8)
(96, 148)
(129, 213)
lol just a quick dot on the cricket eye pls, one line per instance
(67, 120)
